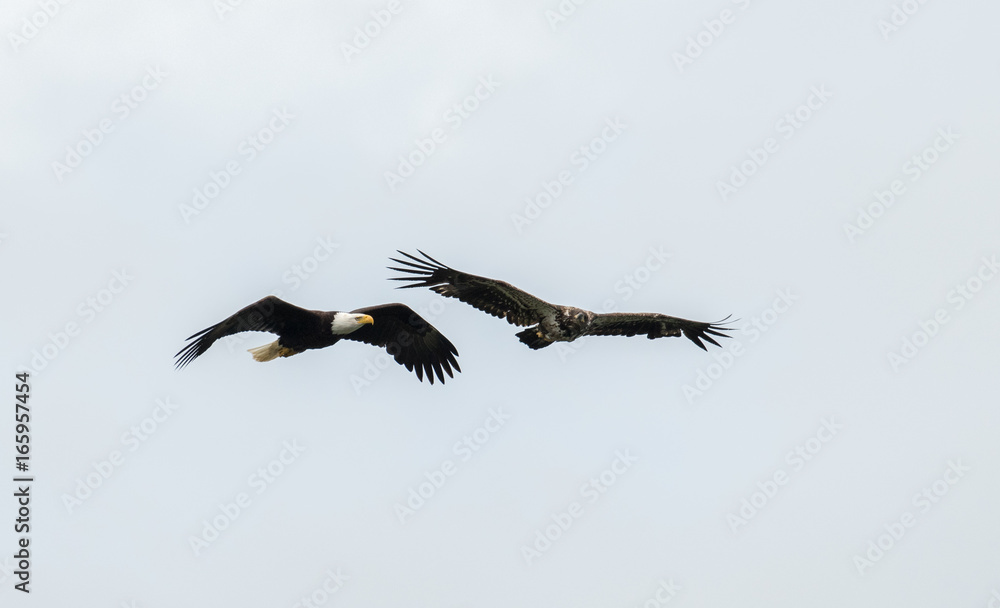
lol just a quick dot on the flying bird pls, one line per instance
(413, 342)
(548, 322)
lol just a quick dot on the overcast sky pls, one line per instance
(824, 174)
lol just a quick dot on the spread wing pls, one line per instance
(268, 314)
(655, 325)
(497, 298)
(411, 340)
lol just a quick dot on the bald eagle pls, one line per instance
(548, 322)
(404, 334)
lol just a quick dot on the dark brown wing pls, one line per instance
(269, 314)
(412, 341)
(655, 325)
(497, 298)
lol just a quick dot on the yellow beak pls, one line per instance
(366, 320)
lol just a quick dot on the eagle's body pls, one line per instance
(547, 323)
(316, 330)
(412, 341)
(560, 324)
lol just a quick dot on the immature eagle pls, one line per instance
(411, 340)
(549, 322)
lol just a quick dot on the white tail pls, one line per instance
(271, 351)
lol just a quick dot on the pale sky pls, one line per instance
(824, 174)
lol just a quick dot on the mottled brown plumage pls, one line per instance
(549, 322)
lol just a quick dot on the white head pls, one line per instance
(346, 322)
